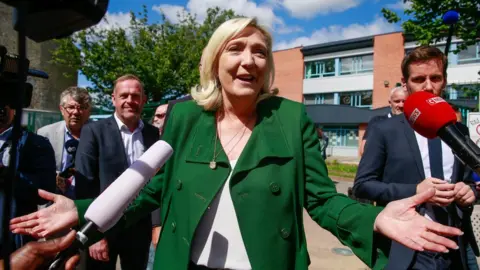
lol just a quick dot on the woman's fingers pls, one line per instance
(21, 221)
(47, 195)
(410, 243)
(437, 243)
(442, 229)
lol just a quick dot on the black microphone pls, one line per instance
(71, 149)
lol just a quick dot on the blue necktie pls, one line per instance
(436, 160)
(436, 169)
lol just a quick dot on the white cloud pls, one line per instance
(263, 12)
(310, 8)
(400, 5)
(288, 29)
(338, 32)
(171, 12)
(114, 20)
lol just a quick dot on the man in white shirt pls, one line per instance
(398, 163)
(107, 148)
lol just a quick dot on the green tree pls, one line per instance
(165, 56)
(424, 20)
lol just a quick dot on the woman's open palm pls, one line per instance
(57, 217)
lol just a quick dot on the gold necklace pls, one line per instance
(213, 163)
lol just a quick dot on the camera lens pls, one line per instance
(3, 114)
(3, 111)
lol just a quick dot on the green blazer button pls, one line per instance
(179, 184)
(285, 233)
(174, 226)
(274, 188)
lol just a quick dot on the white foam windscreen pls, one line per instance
(108, 207)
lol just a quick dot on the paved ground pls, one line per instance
(321, 242)
(345, 160)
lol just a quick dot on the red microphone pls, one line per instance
(428, 113)
(431, 116)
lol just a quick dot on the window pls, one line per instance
(440, 47)
(356, 64)
(356, 99)
(462, 92)
(341, 136)
(469, 55)
(326, 98)
(323, 68)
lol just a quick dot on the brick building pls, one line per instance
(345, 83)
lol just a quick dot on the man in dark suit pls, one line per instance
(398, 163)
(396, 101)
(35, 169)
(106, 149)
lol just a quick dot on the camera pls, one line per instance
(9, 79)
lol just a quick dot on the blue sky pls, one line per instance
(292, 22)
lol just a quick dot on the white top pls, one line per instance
(218, 242)
(132, 141)
(447, 161)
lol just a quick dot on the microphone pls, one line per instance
(450, 17)
(432, 116)
(107, 209)
(71, 149)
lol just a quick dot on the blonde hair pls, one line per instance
(208, 94)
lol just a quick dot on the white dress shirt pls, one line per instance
(132, 141)
(218, 242)
(447, 163)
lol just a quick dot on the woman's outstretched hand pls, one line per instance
(400, 221)
(59, 216)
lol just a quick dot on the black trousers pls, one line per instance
(437, 261)
(131, 245)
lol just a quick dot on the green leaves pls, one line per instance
(164, 56)
(426, 24)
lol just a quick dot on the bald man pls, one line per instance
(396, 100)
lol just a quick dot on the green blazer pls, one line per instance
(279, 173)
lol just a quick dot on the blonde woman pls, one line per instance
(245, 166)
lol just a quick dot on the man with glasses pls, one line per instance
(75, 106)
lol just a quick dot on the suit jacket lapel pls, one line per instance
(413, 144)
(117, 139)
(267, 140)
(148, 138)
(59, 141)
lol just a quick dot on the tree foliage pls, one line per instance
(426, 25)
(165, 56)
